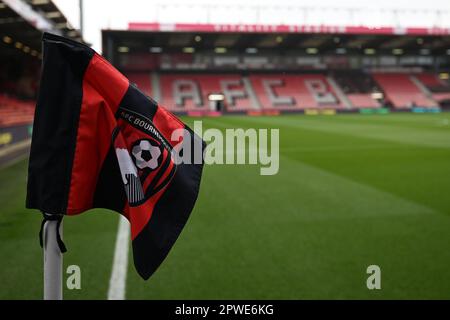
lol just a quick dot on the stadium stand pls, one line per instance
(402, 91)
(15, 112)
(186, 92)
(358, 87)
(277, 68)
(190, 92)
(181, 92)
(22, 25)
(438, 88)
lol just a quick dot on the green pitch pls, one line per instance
(352, 191)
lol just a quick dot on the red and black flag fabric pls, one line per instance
(98, 142)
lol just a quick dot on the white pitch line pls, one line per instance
(117, 282)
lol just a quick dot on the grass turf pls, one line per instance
(352, 190)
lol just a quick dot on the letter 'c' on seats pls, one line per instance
(275, 99)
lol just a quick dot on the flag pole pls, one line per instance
(52, 261)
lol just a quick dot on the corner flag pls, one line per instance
(98, 142)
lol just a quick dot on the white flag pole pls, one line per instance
(53, 261)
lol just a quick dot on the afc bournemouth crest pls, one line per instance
(151, 158)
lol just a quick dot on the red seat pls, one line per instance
(362, 100)
(15, 112)
(440, 89)
(402, 91)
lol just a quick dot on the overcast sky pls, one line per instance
(116, 14)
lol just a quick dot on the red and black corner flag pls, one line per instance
(98, 142)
